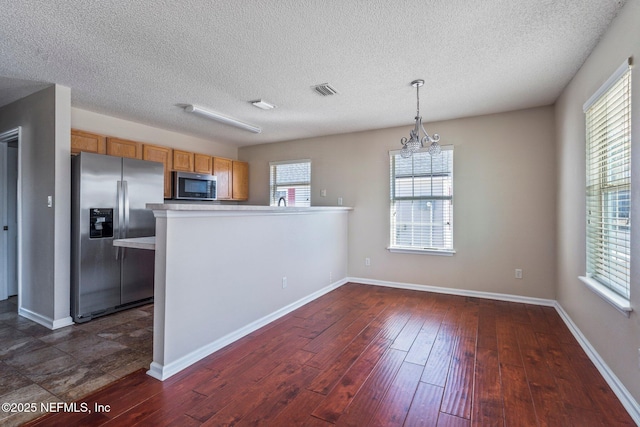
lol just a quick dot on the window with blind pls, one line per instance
(290, 183)
(608, 183)
(422, 202)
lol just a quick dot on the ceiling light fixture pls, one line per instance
(415, 142)
(221, 118)
(263, 104)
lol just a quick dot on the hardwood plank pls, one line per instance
(393, 409)
(298, 410)
(508, 349)
(447, 420)
(437, 367)
(458, 391)
(341, 396)
(425, 406)
(363, 329)
(518, 403)
(366, 401)
(370, 342)
(269, 400)
(487, 393)
(422, 345)
(487, 335)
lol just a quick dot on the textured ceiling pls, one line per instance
(140, 60)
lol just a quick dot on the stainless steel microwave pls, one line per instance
(193, 186)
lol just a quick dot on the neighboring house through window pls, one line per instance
(290, 183)
(608, 188)
(422, 202)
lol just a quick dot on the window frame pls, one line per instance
(393, 246)
(302, 184)
(602, 181)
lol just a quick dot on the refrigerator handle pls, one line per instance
(119, 209)
(125, 198)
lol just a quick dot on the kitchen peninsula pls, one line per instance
(223, 271)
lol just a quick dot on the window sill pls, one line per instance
(440, 252)
(620, 303)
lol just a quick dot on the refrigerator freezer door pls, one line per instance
(143, 183)
(96, 277)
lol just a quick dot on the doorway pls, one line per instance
(9, 218)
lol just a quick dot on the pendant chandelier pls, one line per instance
(415, 142)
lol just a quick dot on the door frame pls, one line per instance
(5, 137)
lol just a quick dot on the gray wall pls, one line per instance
(504, 200)
(44, 168)
(615, 337)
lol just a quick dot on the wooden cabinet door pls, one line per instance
(240, 181)
(85, 141)
(156, 153)
(182, 161)
(222, 171)
(124, 148)
(202, 163)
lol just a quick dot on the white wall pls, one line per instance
(112, 126)
(504, 200)
(218, 273)
(615, 337)
(44, 165)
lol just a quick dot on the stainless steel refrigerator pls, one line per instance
(109, 195)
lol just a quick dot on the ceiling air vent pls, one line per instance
(325, 89)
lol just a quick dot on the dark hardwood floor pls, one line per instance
(374, 356)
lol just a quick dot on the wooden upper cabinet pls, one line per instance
(124, 148)
(89, 142)
(182, 161)
(222, 171)
(164, 155)
(240, 180)
(202, 163)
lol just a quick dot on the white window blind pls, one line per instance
(608, 183)
(290, 183)
(422, 201)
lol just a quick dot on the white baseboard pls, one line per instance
(452, 291)
(162, 372)
(45, 321)
(627, 400)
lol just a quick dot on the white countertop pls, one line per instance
(137, 243)
(243, 208)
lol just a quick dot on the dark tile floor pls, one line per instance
(40, 365)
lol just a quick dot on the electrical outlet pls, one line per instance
(284, 282)
(323, 193)
(367, 261)
(339, 201)
(518, 273)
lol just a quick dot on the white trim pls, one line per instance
(623, 68)
(627, 400)
(45, 321)
(617, 301)
(162, 372)
(288, 162)
(452, 291)
(440, 252)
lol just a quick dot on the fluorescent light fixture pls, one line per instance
(263, 104)
(221, 118)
